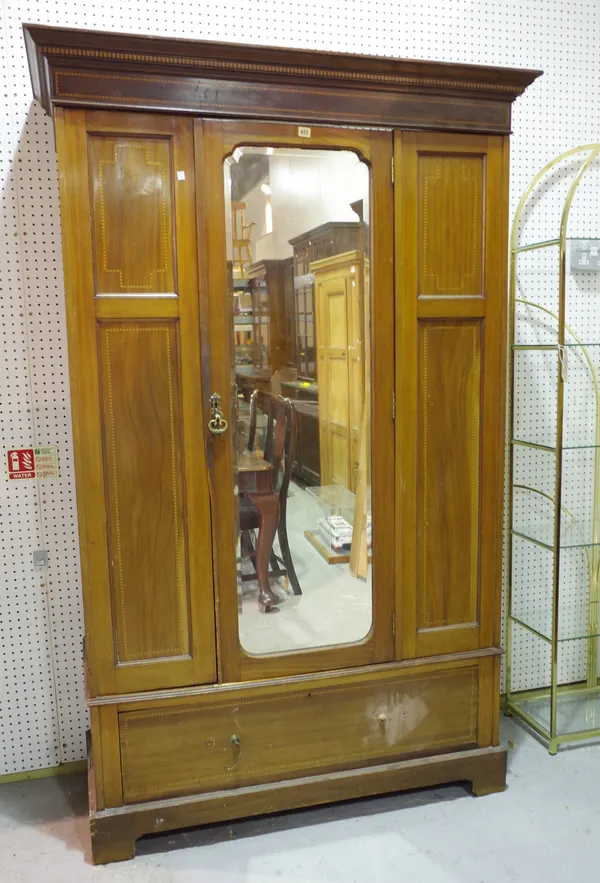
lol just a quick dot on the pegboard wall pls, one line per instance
(42, 717)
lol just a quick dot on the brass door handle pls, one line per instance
(217, 423)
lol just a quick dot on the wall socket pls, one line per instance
(585, 255)
(40, 559)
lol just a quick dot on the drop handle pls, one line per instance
(237, 744)
(217, 423)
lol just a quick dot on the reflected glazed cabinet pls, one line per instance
(314, 245)
(270, 282)
(187, 727)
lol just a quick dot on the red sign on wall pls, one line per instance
(32, 463)
(21, 463)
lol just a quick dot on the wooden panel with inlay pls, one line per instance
(451, 278)
(132, 212)
(143, 502)
(142, 422)
(225, 742)
(448, 475)
(450, 224)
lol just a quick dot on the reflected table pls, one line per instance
(255, 480)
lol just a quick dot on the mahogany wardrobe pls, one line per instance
(275, 257)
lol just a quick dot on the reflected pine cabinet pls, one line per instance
(233, 667)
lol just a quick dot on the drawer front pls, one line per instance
(213, 744)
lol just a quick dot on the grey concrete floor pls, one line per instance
(545, 827)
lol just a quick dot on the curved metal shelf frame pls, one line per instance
(550, 733)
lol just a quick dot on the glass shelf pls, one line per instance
(573, 622)
(332, 535)
(572, 444)
(553, 346)
(577, 710)
(536, 384)
(573, 535)
(333, 497)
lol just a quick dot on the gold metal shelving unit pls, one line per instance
(569, 712)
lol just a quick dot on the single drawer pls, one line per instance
(217, 742)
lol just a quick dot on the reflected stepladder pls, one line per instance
(298, 243)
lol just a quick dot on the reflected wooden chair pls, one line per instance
(242, 238)
(279, 449)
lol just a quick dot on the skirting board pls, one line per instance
(63, 769)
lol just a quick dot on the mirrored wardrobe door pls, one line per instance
(299, 321)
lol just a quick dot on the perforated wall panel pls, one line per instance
(42, 719)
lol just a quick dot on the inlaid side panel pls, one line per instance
(450, 246)
(132, 206)
(449, 441)
(451, 202)
(141, 401)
